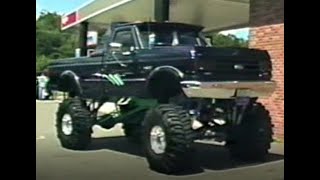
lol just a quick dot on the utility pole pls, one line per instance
(83, 38)
(161, 10)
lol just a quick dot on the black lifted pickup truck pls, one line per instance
(170, 88)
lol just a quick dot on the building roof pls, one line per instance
(212, 14)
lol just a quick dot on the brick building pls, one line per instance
(267, 32)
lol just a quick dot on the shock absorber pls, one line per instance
(240, 107)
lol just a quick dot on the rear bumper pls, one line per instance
(229, 89)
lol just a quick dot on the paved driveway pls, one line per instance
(111, 157)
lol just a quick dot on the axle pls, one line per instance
(127, 113)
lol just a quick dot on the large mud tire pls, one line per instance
(81, 124)
(252, 139)
(176, 125)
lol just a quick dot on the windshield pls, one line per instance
(173, 37)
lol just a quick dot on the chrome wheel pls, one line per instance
(67, 124)
(158, 140)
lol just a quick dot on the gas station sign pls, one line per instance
(69, 19)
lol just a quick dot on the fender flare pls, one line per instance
(164, 81)
(171, 69)
(69, 82)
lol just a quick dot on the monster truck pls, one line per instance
(170, 87)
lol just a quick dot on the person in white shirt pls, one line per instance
(42, 83)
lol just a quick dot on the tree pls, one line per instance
(51, 43)
(220, 40)
(41, 63)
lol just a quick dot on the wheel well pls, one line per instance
(69, 82)
(164, 84)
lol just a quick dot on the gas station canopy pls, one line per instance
(215, 15)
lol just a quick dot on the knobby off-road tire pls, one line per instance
(81, 124)
(252, 138)
(176, 125)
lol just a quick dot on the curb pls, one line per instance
(48, 101)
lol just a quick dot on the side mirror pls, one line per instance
(118, 47)
(129, 52)
(97, 53)
(115, 46)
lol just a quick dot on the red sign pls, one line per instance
(68, 19)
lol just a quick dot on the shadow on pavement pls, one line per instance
(207, 156)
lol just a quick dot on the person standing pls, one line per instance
(42, 84)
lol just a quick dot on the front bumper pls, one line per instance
(228, 89)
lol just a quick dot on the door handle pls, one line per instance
(126, 74)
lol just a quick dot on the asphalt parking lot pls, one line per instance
(111, 157)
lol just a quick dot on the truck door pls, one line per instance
(120, 65)
(120, 59)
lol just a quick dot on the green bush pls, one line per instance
(220, 40)
(51, 42)
(41, 63)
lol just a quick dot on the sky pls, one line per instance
(240, 33)
(65, 6)
(59, 6)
